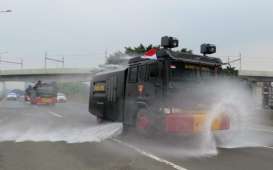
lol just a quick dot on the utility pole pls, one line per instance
(237, 59)
(63, 61)
(5, 52)
(106, 54)
(22, 63)
(45, 56)
(240, 56)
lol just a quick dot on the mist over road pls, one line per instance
(67, 137)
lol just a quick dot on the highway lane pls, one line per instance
(71, 122)
(64, 122)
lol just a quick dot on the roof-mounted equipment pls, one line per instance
(207, 49)
(169, 42)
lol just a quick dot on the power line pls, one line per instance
(21, 62)
(5, 11)
(53, 59)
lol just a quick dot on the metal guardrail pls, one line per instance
(47, 71)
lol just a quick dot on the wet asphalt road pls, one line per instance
(71, 122)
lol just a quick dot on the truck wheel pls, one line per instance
(143, 122)
(99, 120)
(126, 130)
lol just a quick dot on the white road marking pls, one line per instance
(149, 155)
(268, 147)
(55, 114)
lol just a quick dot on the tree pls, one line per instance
(230, 71)
(185, 50)
(119, 57)
(139, 50)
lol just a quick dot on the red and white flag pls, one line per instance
(151, 54)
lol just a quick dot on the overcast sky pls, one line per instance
(81, 30)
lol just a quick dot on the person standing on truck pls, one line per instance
(38, 84)
(28, 93)
(28, 89)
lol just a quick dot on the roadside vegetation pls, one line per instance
(121, 58)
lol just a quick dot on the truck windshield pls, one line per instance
(188, 81)
(179, 71)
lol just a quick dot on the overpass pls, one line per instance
(85, 74)
(258, 79)
(256, 76)
(51, 74)
(262, 88)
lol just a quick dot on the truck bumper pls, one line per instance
(177, 123)
(44, 101)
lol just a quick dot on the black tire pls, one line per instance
(99, 120)
(126, 130)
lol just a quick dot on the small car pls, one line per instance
(11, 96)
(61, 98)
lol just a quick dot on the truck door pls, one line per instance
(152, 82)
(131, 93)
(112, 100)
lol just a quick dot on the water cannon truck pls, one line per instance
(158, 92)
